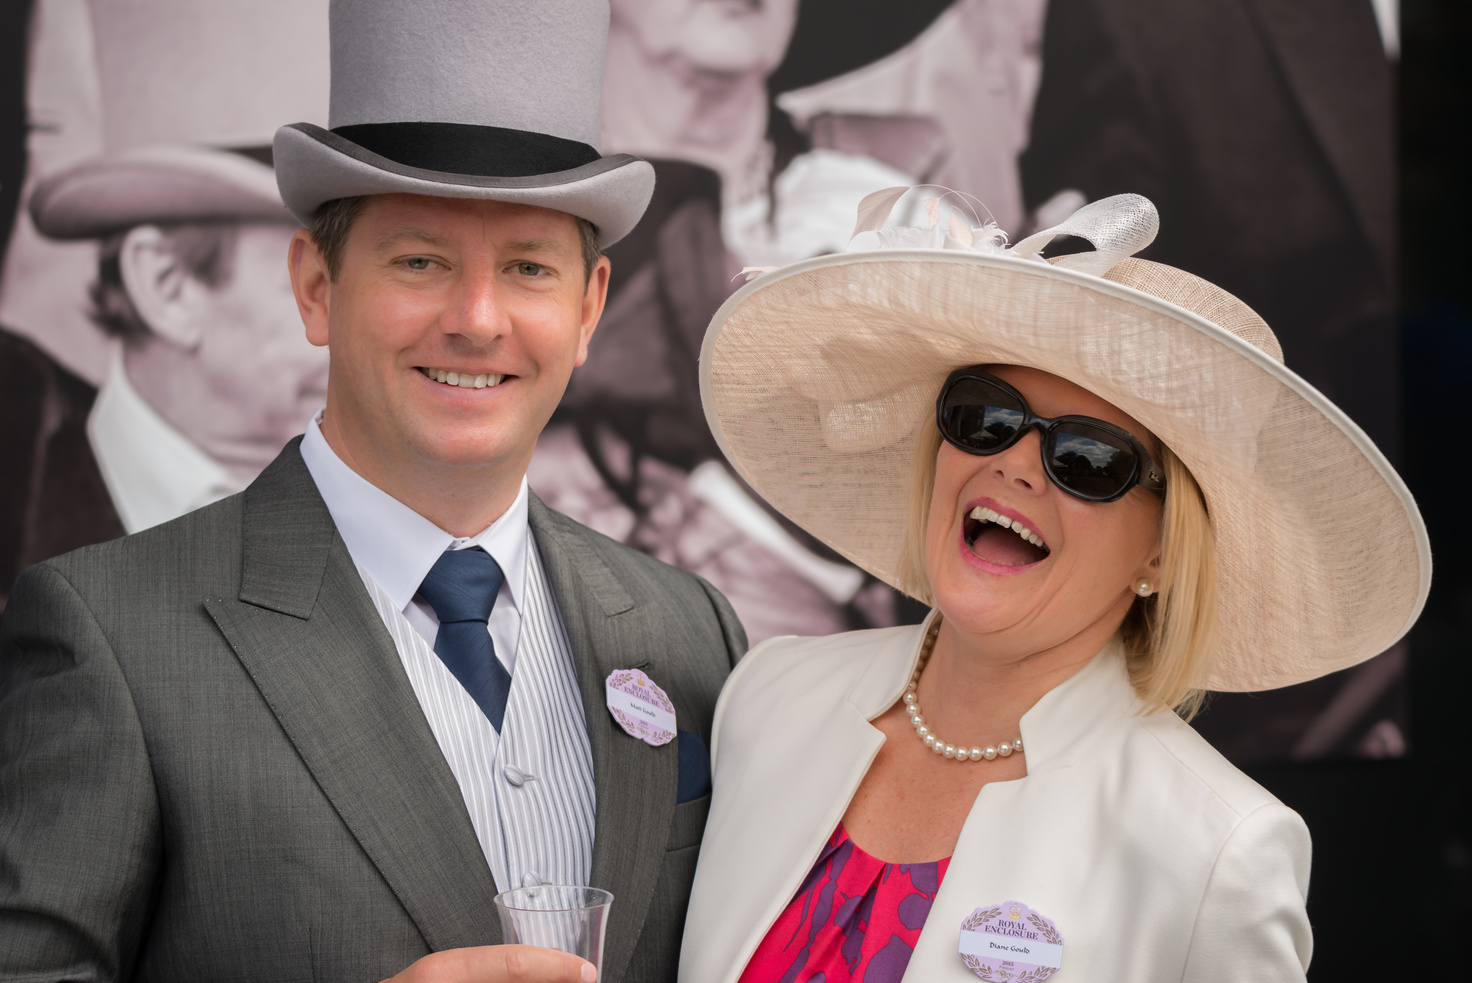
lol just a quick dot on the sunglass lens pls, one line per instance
(979, 416)
(1092, 462)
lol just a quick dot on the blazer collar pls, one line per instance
(286, 537)
(305, 629)
(1060, 727)
(636, 783)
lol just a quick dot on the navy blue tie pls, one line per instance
(462, 587)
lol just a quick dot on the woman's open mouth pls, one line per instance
(1002, 540)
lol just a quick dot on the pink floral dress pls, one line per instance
(855, 919)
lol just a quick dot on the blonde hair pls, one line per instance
(1169, 637)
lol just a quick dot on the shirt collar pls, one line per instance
(153, 472)
(395, 545)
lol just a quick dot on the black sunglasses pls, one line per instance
(1087, 458)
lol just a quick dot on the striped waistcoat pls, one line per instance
(530, 794)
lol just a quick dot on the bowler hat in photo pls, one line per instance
(492, 101)
(191, 96)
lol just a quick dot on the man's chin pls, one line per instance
(469, 450)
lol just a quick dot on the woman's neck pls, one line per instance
(977, 685)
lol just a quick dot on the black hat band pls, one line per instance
(462, 148)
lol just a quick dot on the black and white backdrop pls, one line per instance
(1265, 131)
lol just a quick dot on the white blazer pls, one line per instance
(1155, 858)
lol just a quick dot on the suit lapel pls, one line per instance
(636, 784)
(1332, 59)
(305, 629)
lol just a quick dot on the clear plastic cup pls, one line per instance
(557, 916)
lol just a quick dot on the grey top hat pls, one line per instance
(486, 100)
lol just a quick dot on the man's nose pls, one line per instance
(478, 310)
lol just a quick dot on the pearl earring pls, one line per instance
(1144, 588)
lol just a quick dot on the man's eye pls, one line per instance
(417, 263)
(528, 269)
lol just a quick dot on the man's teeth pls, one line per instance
(464, 379)
(983, 514)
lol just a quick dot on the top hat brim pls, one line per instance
(316, 165)
(167, 184)
(817, 380)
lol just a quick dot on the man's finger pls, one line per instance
(500, 964)
(529, 963)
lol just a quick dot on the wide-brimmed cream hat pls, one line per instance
(817, 378)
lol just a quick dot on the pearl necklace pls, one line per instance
(912, 707)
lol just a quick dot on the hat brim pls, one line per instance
(314, 165)
(161, 184)
(817, 378)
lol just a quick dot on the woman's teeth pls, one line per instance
(983, 514)
(464, 379)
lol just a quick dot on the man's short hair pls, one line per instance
(205, 250)
(334, 220)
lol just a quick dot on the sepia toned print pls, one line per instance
(153, 362)
(207, 373)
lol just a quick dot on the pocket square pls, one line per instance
(694, 767)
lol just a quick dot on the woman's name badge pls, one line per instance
(641, 708)
(1011, 943)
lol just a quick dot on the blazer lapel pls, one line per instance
(636, 783)
(757, 854)
(1335, 66)
(305, 629)
(794, 827)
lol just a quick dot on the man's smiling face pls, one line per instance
(453, 326)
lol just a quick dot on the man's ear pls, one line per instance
(163, 292)
(595, 295)
(312, 285)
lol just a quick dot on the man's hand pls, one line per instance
(499, 964)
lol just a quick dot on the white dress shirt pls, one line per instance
(528, 789)
(152, 471)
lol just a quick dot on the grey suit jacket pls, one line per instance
(213, 767)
